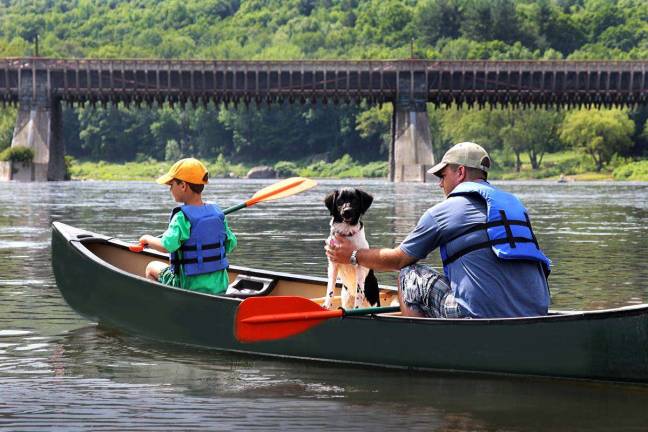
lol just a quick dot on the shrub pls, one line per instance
(143, 158)
(637, 171)
(345, 167)
(222, 168)
(376, 169)
(286, 169)
(17, 154)
(172, 151)
(70, 161)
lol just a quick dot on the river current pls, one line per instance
(59, 371)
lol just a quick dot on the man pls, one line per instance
(493, 267)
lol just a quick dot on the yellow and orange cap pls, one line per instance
(190, 170)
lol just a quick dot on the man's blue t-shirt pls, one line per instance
(484, 285)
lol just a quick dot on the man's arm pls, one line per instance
(384, 259)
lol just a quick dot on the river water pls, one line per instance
(61, 372)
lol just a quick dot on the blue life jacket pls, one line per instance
(204, 250)
(508, 227)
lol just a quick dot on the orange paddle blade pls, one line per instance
(268, 318)
(282, 189)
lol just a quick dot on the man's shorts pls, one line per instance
(428, 292)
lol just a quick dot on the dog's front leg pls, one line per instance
(360, 299)
(330, 286)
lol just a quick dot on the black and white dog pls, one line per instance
(360, 284)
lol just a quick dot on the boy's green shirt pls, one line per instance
(178, 232)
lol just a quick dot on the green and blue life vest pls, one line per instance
(204, 250)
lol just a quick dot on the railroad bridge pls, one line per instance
(39, 85)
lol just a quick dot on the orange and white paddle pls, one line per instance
(282, 189)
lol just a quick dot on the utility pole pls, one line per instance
(36, 45)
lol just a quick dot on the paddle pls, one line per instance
(270, 318)
(282, 189)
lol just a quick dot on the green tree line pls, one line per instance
(331, 29)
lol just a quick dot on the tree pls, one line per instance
(536, 133)
(387, 22)
(486, 20)
(542, 127)
(513, 140)
(7, 122)
(437, 19)
(375, 124)
(519, 131)
(480, 126)
(598, 133)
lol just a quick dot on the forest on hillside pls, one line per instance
(331, 29)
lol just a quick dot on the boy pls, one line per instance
(198, 238)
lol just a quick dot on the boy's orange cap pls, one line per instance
(190, 170)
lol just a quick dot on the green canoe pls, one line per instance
(102, 280)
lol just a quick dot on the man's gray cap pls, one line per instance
(467, 154)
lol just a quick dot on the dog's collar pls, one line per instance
(341, 234)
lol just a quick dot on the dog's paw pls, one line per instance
(327, 305)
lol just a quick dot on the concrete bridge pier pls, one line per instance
(39, 125)
(410, 153)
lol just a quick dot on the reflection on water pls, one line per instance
(58, 371)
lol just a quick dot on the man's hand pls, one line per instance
(339, 250)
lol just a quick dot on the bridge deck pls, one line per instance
(406, 81)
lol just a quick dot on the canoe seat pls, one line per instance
(250, 286)
(387, 298)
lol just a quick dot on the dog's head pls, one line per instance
(348, 204)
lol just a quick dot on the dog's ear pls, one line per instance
(365, 200)
(330, 199)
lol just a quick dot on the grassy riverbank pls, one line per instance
(575, 166)
(572, 165)
(345, 167)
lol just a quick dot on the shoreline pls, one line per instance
(150, 170)
(546, 180)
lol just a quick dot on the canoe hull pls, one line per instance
(602, 345)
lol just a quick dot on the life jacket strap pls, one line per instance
(206, 246)
(195, 260)
(488, 225)
(535, 240)
(507, 228)
(484, 245)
